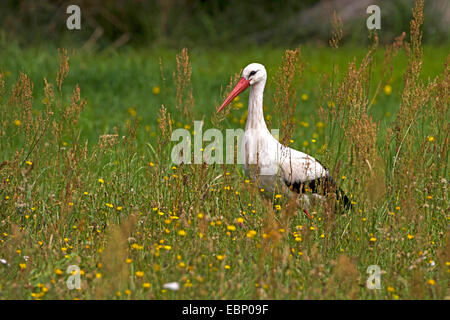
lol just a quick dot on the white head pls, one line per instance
(253, 74)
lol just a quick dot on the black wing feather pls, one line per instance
(321, 186)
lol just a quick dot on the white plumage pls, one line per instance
(266, 160)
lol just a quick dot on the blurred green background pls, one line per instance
(221, 23)
(115, 56)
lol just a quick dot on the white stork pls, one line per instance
(277, 166)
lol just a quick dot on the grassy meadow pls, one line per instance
(86, 177)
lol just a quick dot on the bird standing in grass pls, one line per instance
(273, 165)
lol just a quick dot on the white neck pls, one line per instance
(255, 117)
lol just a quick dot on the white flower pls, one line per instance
(3, 261)
(174, 286)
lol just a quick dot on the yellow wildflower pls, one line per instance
(139, 274)
(251, 234)
(136, 246)
(387, 90)
(156, 90)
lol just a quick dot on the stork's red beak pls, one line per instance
(241, 86)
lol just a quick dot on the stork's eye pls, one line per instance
(252, 73)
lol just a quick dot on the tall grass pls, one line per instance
(132, 221)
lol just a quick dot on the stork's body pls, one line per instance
(274, 166)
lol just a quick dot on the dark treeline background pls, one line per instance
(176, 23)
